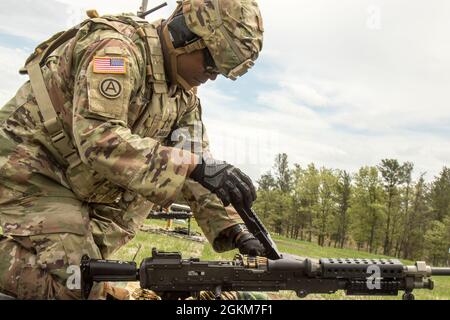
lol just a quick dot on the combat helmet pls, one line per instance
(231, 30)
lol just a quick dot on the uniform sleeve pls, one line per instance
(190, 133)
(210, 214)
(108, 75)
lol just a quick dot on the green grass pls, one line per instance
(204, 251)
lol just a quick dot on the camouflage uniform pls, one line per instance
(87, 189)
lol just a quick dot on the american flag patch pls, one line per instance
(109, 65)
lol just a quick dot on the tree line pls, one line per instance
(380, 209)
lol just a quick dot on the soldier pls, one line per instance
(106, 128)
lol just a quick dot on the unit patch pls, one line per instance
(110, 88)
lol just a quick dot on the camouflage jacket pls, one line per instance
(121, 118)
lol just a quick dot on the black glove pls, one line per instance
(227, 182)
(249, 245)
(244, 241)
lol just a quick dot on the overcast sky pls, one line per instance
(339, 83)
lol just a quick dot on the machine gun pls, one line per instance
(170, 215)
(176, 212)
(169, 273)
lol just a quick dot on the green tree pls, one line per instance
(393, 176)
(281, 221)
(437, 242)
(367, 212)
(267, 182)
(307, 183)
(440, 195)
(401, 226)
(326, 205)
(298, 216)
(343, 194)
(266, 187)
(417, 223)
(274, 202)
(283, 173)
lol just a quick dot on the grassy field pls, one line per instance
(300, 248)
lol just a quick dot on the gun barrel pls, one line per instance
(146, 13)
(180, 208)
(105, 271)
(440, 271)
(113, 271)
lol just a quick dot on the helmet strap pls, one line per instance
(174, 53)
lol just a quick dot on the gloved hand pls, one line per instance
(227, 182)
(249, 245)
(244, 241)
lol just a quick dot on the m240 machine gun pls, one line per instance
(176, 212)
(170, 215)
(170, 273)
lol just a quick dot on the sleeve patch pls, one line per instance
(109, 94)
(109, 65)
(111, 88)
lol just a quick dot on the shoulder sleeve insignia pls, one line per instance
(108, 65)
(110, 88)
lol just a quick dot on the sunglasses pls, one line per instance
(210, 65)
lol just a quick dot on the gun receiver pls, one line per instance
(169, 273)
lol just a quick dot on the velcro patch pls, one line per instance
(110, 88)
(108, 65)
